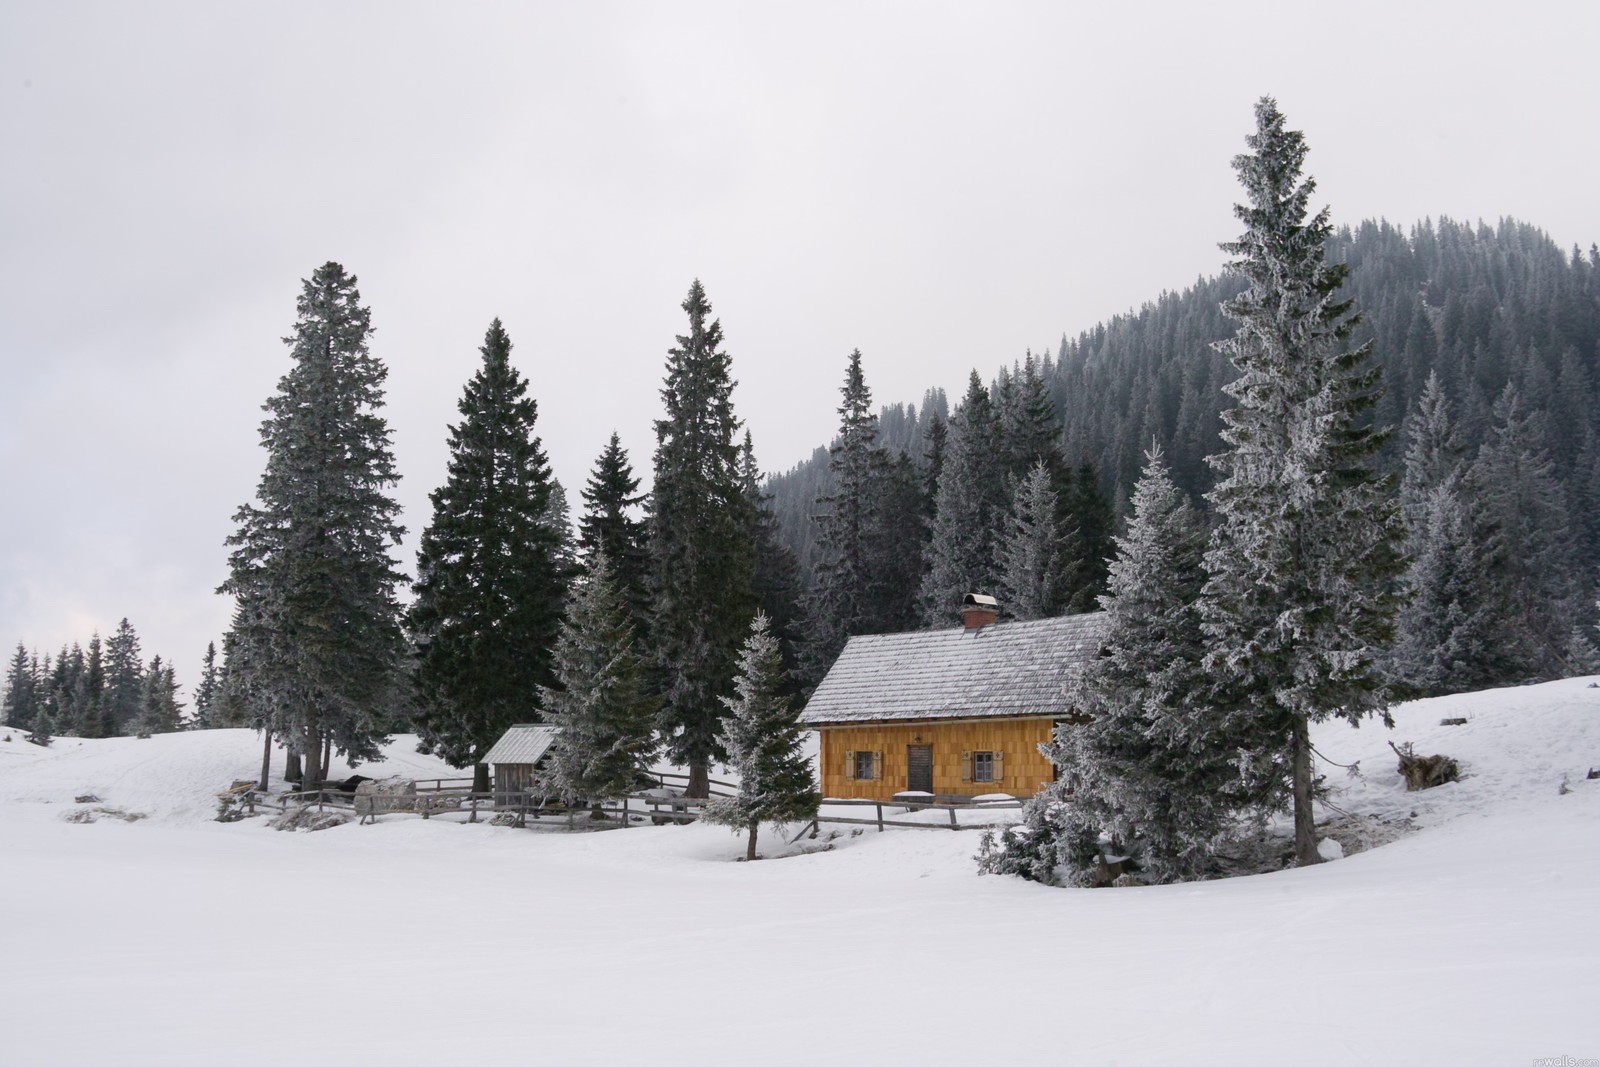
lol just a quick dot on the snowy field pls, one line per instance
(179, 940)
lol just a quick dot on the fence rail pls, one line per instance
(658, 809)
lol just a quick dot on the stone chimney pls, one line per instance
(979, 610)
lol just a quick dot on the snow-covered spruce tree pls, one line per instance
(600, 699)
(22, 690)
(1144, 767)
(88, 696)
(843, 600)
(1303, 562)
(1032, 568)
(124, 692)
(490, 579)
(1028, 429)
(763, 740)
(971, 506)
(159, 709)
(1535, 579)
(701, 554)
(1445, 631)
(609, 524)
(316, 646)
(205, 694)
(775, 576)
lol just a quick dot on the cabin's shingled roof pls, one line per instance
(1013, 668)
(522, 743)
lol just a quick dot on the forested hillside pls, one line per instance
(1483, 306)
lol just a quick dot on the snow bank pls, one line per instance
(168, 941)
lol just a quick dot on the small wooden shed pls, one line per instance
(515, 759)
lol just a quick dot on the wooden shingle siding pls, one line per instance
(1022, 768)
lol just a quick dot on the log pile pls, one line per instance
(1424, 772)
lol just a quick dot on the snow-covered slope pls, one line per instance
(176, 940)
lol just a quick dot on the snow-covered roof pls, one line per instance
(522, 743)
(1008, 669)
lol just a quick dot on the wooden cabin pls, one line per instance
(515, 760)
(958, 713)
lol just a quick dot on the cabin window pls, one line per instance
(863, 766)
(982, 766)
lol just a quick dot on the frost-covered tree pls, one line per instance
(206, 693)
(124, 692)
(762, 737)
(844, 596)
(159, 709)
(316, 646)
(1143, 768)
(491, 580)
(701, 552)
(87, 697)
(962, 547)
(775, 575)
(1033, 573)
(1445, 631)
(600, 699)
(1303, 563)
(1534, 577)
(22, 690)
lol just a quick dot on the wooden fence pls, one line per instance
(658, 809)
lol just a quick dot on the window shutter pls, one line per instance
(966, 766)
(877, 765)
(850, 766)
(999, 766)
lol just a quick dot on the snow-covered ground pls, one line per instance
(178, 940)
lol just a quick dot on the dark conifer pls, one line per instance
(317, 649)
(701, 552)
(490, 576)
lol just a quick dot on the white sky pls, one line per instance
(942, 186)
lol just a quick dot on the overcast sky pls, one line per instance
(942, 186)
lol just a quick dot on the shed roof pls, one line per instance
(523, 743)
(1009, 669)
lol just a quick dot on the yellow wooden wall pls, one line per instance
(1025, 768)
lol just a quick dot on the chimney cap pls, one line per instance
(980, 600)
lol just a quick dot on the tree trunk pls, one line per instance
(750, 848)
(480, 777)
(291, 767)
(312, 741)
(699, 786)
(327, 757)
(1305, 827)
(266, 758)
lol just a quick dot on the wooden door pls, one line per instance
(919, 767)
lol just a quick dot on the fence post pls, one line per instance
(880, 817)
(624, 811)
(953, 825)
(474, 817)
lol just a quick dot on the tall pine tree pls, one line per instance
(1302, 564)
(844, 599)
(490, 576)
(701, 551)
(316, 648)
(962, 553)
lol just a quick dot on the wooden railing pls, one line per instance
(659, 809)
